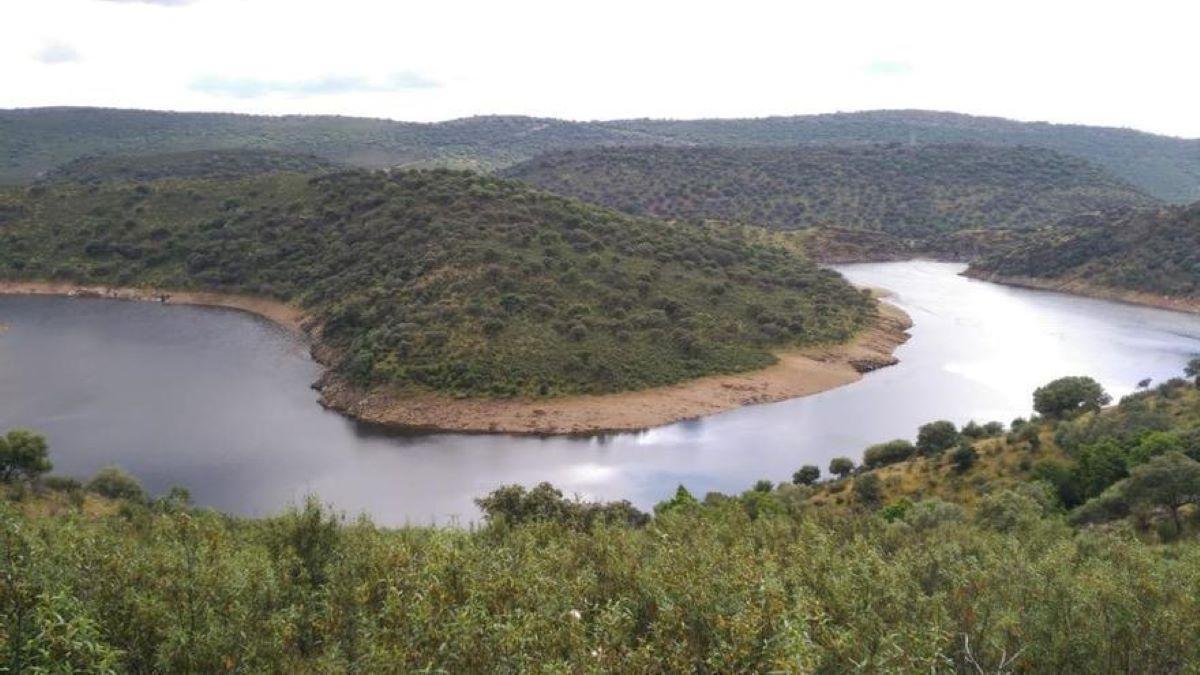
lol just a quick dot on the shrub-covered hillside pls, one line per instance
(1150, 251)
(446, 281)
(968, 551)
(904, 190)
(192, 164)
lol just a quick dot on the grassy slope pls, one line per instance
(1149, 251)
(36, 140)
(446, 281)
(763, 581)
(907, 191)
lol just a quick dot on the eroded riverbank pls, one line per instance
(1084, 289)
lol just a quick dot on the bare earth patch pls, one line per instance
(798, 373)
(1077, 287)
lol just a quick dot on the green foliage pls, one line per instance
(1192, 370)
(964, 457)
(891, 452)
(935, 438)
(806, 475)
(514, 504)
(1069, 396)
(911, 191)
(841, 466)
(1150, 251)
(114, 483)
(448, 281)
(23, 456)
(867, 490)
(1168, 481)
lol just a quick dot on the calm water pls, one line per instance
(219, 402)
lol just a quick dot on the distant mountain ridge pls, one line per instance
(915, 191)
(33, 141)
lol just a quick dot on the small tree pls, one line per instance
(1070, 396)
(884, 454)
(763, 486)
(23, 455)
(841, 466)
(1170, 481)
(964, 457)
(1193, 370)
(867, 490)
(937, 437)
(806, 475)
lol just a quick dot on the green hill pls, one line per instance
(1154, 251)
(190, 164)
(913, 191)
(36, 140)
(446, 281)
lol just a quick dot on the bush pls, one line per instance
(936, 437)
(114, 483)
(964, 457)
(1007, 511)
(884, 454)
(933, 512)
(868, 491)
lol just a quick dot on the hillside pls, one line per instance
(903, 190)
(928, 564)
(191, 164)
(36, 140)
(1153, 252)
(446, 282)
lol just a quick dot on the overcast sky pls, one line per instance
(1131, 64)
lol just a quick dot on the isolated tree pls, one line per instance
(1070, 396)
(1170, 481)
(806, 475)
(867, 490)
(841, 466)
(937, 437)
(23, 455)
(891, 452)
(114, 483)
(1193, 370)
(964, 457)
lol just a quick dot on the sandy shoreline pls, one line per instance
(798, 373)
(1076, 287)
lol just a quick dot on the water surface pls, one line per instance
(219, 401)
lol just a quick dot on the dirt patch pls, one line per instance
(1077, 287)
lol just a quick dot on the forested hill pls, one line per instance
(1149, 251)
(33, 141)
(446, 281)
(909, 190)
(187, 164)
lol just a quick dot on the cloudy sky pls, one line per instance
(1096, 62)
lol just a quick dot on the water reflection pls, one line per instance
(220, 402)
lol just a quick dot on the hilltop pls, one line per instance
(1150, 256)
(33, 141)
(915, 191)
(444, 283)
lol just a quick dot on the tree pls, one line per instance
(867, 490)
(1192, 369)
(763, 486)
(887, 453)
(1171, 481)
(964, 457)
(23, 455)
(806, 475)
(1070, 396)
(683, 499)
(841, 466)
(937, 437)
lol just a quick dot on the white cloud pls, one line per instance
(53, 53)
(1067, 61)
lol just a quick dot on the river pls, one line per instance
(219, 401)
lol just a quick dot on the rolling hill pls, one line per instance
(1148, 251)
(187, 164)
(444, 281)
(905, 190)
(33, 141)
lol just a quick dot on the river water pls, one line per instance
(219, 402)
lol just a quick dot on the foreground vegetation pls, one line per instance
(444, 281)
(782, 577)
(37, 140)
(1148, 251)
(911, 191)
